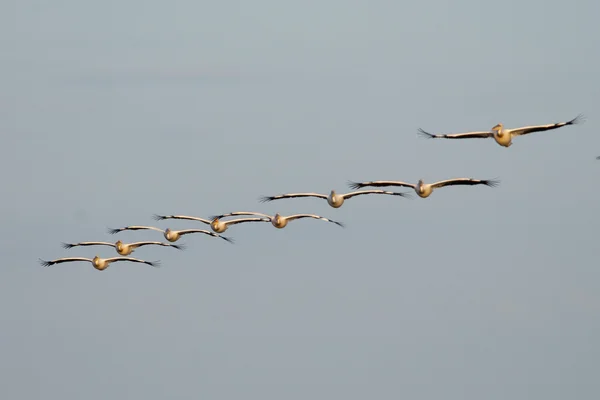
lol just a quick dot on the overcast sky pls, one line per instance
(112, 111)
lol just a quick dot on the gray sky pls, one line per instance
(113, 111)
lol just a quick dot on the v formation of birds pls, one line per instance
(218, 225)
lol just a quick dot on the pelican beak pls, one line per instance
(495, 128)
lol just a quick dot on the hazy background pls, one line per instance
(112, 111)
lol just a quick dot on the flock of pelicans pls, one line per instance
(217, 225)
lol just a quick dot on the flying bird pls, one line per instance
(334, 199)
(215, 224)
(123, 249)
(99, 263)
(277, 220)
(169, 234)
(425, 189)
(501, 135)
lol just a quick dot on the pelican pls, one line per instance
(170, 235)
(334, 199)
(277, 220)
(99, 263)
(123, 249)
(425, 189)
(161, 217)
(501, 135)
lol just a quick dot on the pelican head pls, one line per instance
(498, 128)
(332, 193)
(96, 261)
(420, 184)
(119, 244)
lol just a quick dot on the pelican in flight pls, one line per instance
(99, 263)
(216, 225)
(169, 234)
(123, 249)
(277, 220)
(501, 135)
(334, 199)
(158, 217)
(425, 189)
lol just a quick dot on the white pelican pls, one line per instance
(277, 220)
(425, 189)
(169, 234)
(334, 199)
(501, 135)
(215, 224)
(161, 217)
(99, 263)
(123, 249)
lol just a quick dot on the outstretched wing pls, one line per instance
(63, 260)
(466, 181)
(466, 135)
(358, 185)
(242, 220)
(299, 216)
(232, 214)
(132, 259)
(71, 245)
(352, 194)
(162, 217)
(213, 234)
(291, 195)
(133, 228)
(141, 244)
(538, 128)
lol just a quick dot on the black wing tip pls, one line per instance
(227, 239)
(425, 134)
(265, 199)
(598, 158)
(354, 185)
(580, 119)
(67, 245)
(403, 194)
(181, 246)
(112, 231)
(213, 217)
(155, 264)
(158, 217)
(492, 182)
(45, 263)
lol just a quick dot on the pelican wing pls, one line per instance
(133, 228)
(140, 244)
(298, 216)
(213, 234)
(132, 259)
(242, 220)
(466, 181)
(71, 245)
(352, 194)
(161, 217)
(538, 128)
(291, 195)
(466, 135)
(358, 185)
(233, 214)
(62, 260)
